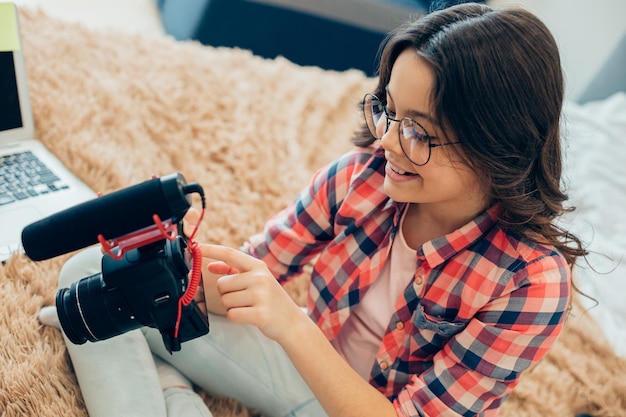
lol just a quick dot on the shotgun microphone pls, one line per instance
(112, 216)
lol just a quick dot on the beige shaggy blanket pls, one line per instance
(117, 108)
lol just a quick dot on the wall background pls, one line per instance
(586, 30)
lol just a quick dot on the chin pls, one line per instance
(396, 194)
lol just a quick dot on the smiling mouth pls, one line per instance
(401, 172)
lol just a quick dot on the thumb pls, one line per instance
(190, 221)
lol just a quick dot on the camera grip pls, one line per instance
(193, 323)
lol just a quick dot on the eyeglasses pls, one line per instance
(415, 141)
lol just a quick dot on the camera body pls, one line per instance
(141, 289)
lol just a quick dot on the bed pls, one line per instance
(119, 107)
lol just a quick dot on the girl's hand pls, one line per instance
(250, 294)
(190, 221)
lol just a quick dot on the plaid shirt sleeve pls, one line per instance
(294, 236)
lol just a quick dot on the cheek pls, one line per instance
(467, 182)
(453, 176)
(453, 163)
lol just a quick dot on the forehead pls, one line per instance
(411, 83)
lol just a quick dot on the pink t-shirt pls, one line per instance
(359, 339)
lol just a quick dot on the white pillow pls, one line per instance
(595, 176)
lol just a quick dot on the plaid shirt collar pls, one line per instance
(437, 251)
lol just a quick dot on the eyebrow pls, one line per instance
(414, 113)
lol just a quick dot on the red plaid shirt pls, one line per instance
(491, 306)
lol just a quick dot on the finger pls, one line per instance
(233, 257)
(244, 315)
(237, 299)
(199, 295)
(190, 221)
(192, 216)
(220, 268)
(231, 283)
(201, 305)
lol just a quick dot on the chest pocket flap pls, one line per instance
(435, 324)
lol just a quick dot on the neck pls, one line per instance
(424, 222)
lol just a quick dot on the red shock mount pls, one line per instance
(158, 231)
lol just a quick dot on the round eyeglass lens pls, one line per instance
(374, 111)
(414, 141)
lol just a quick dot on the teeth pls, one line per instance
(399, 171)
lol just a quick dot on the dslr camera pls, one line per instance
(145, 276)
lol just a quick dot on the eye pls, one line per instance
(414, 131)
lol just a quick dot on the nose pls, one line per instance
(389, 139)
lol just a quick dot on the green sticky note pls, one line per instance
(9, 35)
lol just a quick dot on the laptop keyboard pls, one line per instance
(23, 175)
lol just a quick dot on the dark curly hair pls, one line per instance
(499, 88)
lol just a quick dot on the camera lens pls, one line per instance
(89, 311)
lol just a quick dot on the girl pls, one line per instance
(439, 274)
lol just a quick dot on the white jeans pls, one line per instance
(118, 376)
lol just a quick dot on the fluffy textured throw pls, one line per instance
(118, 108)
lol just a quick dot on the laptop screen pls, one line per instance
(10, 114)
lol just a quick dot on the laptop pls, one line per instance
(33, 182)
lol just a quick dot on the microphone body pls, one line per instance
(112, 216)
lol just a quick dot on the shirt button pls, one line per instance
(419, 280)
(384, 366)
(399, 325)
